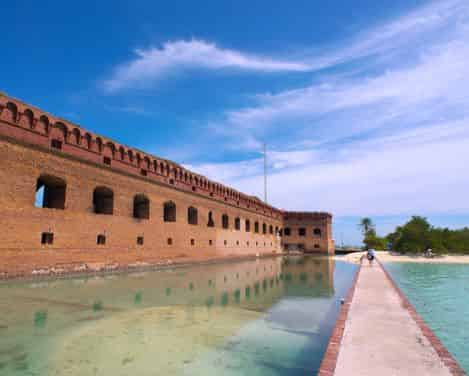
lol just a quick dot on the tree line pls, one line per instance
(416, 236)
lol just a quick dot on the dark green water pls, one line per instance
(440, 294)
(262, 317)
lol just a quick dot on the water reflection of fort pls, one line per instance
(207, 304)
(248, 283)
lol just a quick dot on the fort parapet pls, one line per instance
(71, 198)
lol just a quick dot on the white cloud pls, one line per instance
(415, 171)
(152, 63)
(389, 141)
(435, 21)
(438, 81)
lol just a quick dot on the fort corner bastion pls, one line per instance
(73, 201)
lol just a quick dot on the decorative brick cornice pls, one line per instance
(306, 216)
(30, 125)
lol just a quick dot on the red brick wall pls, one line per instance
(310, 241)
(26, 153)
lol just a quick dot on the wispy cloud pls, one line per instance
(391, 139)
(429, 23)
(385, 136)
(432, 84)
(152, 63)
(419, 170)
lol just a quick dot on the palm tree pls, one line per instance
(366, 225)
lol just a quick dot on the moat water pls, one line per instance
(263, 317)
(439, 293)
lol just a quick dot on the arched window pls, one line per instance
(13, 111)
(88, 140)
(141, 207)
(192, 215)
(271, 229)
(44, 123)
(121, 153)
(317, 232)
(146, 163)
(264, 228)
(247, 225)
(76, 136)
(287, 231)
(50, 192)
(103, 200)
(210, 222)
(169, 211)
(237, 223)
(225, 221)
(302, 231)
(99, 144)
(256, 227)
(29, 117)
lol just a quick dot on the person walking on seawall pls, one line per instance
(370, 255)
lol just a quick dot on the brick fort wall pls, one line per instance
(103, 203)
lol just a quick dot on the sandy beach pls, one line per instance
(387, 257)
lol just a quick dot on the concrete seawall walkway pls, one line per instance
(382, 335)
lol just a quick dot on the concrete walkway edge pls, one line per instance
(329, 362)
(331, 355)
(445, 356)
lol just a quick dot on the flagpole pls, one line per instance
(265, 173)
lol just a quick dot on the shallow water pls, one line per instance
(263, 317)
(440, 294)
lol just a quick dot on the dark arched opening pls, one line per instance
(13, 111)
(141, 207)
(237, 224)
(256, 227)
(225, 221)
(264, 228)
(317, 232)
(192, 215)
(50, 192)
(247, 225)
(169, 211)
(210, 222)
(103, 200)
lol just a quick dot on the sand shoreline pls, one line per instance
(387, 257)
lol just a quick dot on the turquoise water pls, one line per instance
(440, 294)
(263, 317)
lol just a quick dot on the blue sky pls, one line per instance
(364, 107)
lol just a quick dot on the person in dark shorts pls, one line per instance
(370, 255)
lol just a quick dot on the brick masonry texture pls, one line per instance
(35, 144)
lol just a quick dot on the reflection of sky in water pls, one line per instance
(262, 317)
(280, 342)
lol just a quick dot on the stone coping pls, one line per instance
(329, 361)
(448, 360)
